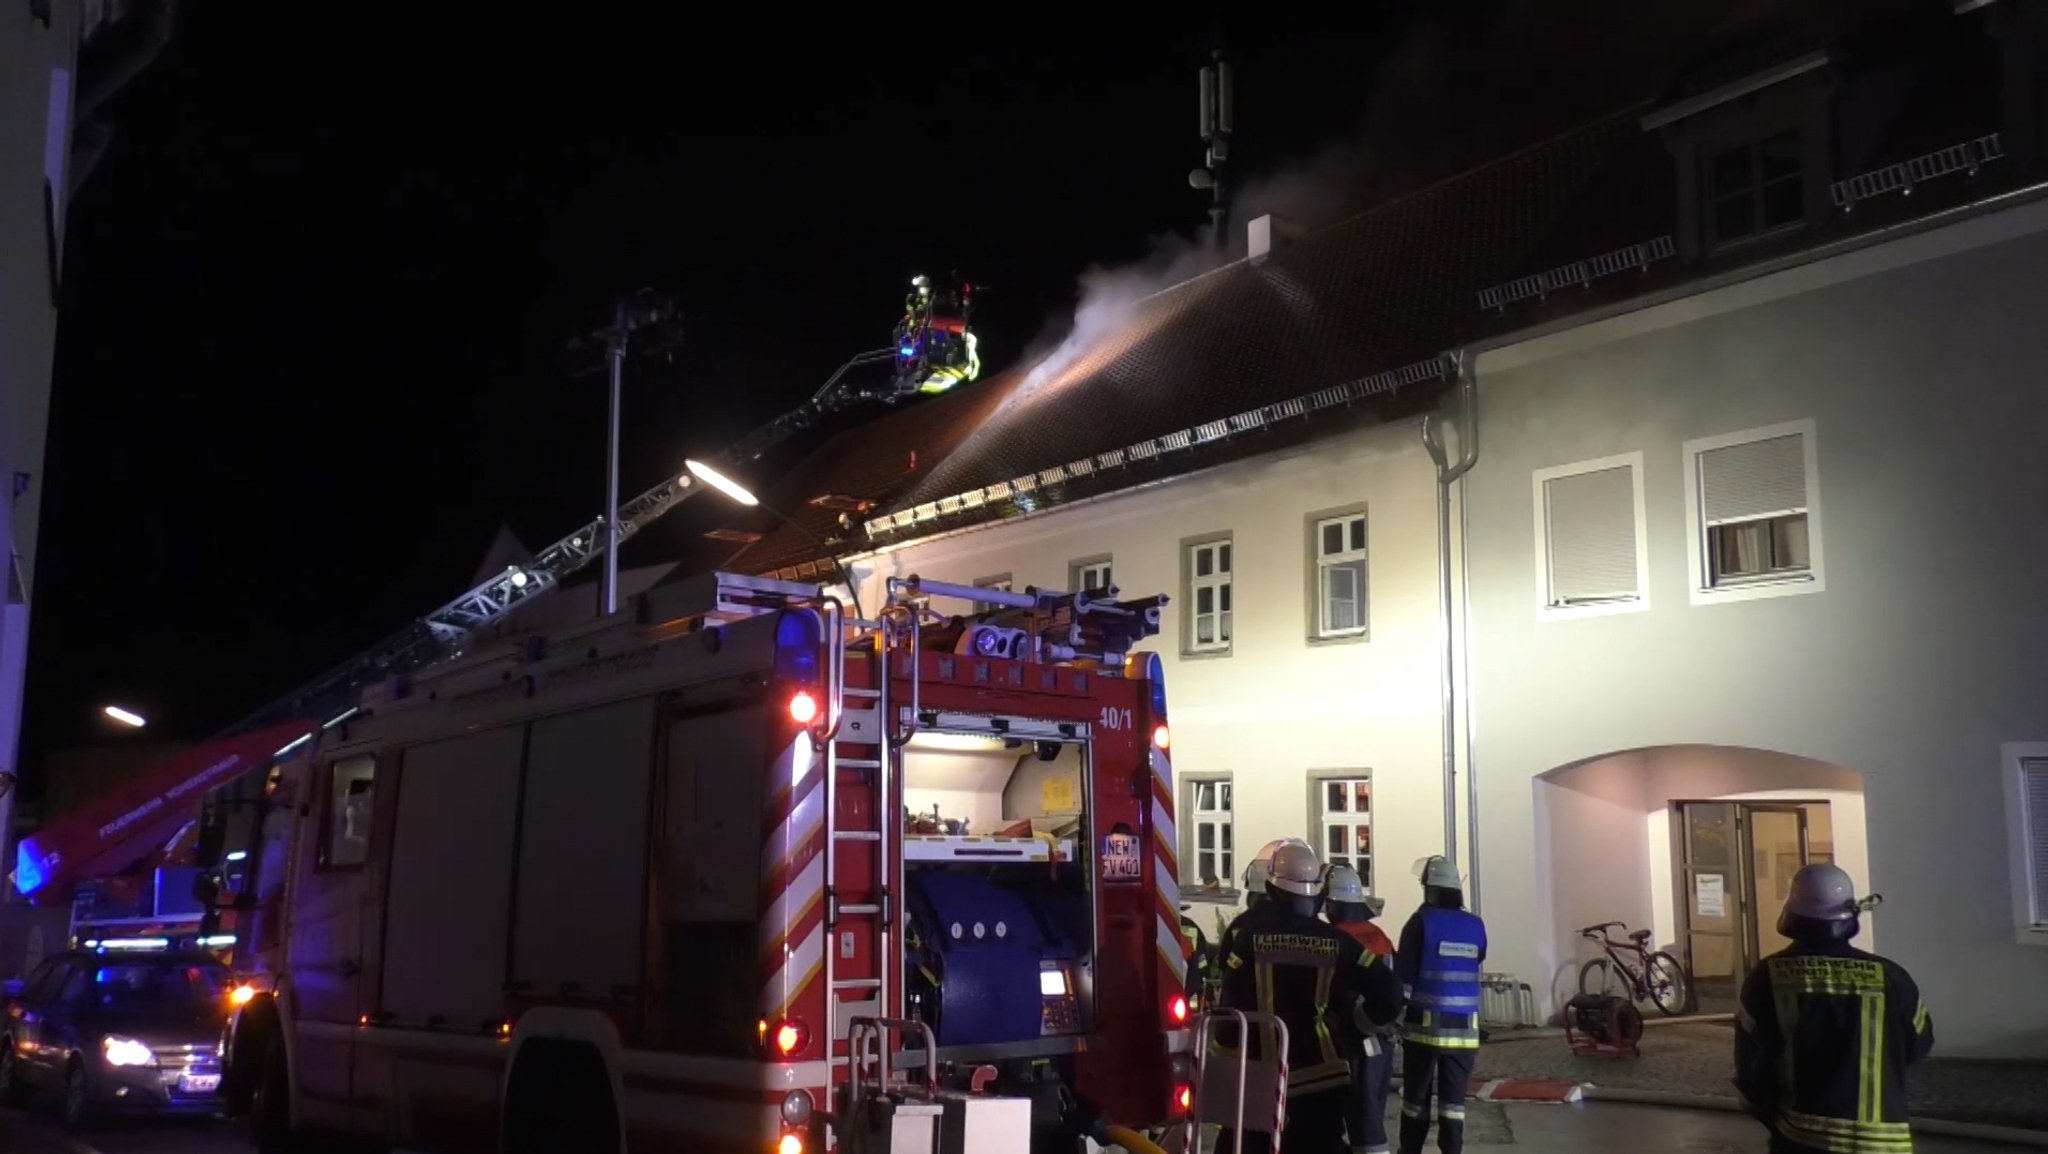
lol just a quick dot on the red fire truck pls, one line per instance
(731, 870)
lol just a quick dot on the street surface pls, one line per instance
(1588, 1128)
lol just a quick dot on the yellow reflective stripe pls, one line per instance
(1920, 1017)
(1265, 980)
(1870, 1096)
(1840, 1136)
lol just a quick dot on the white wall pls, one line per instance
(1918, 361)
(29, 149)
(1277, 706)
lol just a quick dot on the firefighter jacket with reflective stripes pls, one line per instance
(1311, 976)
(1376, 1032)
(1439, 959)
(1822, 1042)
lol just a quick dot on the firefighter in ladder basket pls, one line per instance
(1281, 959)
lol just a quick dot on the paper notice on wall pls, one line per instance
(1708, 896)
(1061, 794)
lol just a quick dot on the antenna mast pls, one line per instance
(1219, 93)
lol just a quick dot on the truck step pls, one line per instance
(858, 984)
(857, 691)
(857, 835)
(857, 763)
(856, 911)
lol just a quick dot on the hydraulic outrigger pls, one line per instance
(934, 350)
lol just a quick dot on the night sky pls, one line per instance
(313, 344)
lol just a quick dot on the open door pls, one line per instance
(1712, 884)
(1775, 846)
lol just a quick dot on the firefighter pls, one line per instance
(1256, 872)
(1283, 960)
(1201, 959)
(1826, 1031)
(1441, 950)
(1352, 910)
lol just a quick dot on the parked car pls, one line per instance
(117, 1032)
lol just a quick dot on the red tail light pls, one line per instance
(1162, 737)
(787, 1037)
(803, 708)
(1183, 1099)
(1177, 1010)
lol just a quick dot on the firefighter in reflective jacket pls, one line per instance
(1826, 1031)
(1281, 959)
(1441, 950)
(1201, 959)
(1351, 909)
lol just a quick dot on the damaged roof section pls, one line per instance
(1344, 325)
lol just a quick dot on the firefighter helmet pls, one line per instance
(1296, 870)
(1345, 885)
(1260, 867)
(1822, 892)
(1439, 872)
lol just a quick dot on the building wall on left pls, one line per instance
(38, 72)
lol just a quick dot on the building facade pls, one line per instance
(61, 62)
(1739, 572)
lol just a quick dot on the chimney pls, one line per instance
(1267, 233)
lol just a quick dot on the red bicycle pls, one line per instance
(1633, 971)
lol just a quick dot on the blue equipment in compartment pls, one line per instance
(984, 943)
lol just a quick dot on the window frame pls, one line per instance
(1319, 781)
(1078, 568)
(1191, 889)
(2014, 759)
(330, 810)
(1546, 609)
(1750, 142)
(1700, 585)
(1317, 631)
(1189, 583)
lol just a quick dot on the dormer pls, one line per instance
(1754, 155)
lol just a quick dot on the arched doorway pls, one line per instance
(1696, 843)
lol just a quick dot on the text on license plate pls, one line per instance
(198, 1083)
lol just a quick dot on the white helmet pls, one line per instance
(1297, 870)
(1345, 885)
(1822, 892)
(1439, 872)
(1260, 867)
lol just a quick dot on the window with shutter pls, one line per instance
(2034, 823)
(1208, 583)
(1589, 534)
(1753, 508)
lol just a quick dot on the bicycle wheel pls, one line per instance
(1669, 988)
(1598, 977)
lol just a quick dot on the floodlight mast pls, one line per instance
(446, 630)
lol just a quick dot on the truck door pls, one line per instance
(332, 906)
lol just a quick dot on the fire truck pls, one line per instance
(731, 870)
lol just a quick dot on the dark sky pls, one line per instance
(312, 347)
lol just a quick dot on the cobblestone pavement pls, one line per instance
(1698, 1059)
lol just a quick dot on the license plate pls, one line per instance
(198, 1083)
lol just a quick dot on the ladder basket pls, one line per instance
(1233, 1088)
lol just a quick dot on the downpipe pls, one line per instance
(1447, 474)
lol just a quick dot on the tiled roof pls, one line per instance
(1227, 364)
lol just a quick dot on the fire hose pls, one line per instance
(1130, 1139)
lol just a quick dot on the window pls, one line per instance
(351, 804)
(1755, 187)
(2026, 805)
(1337, 545)
(1343, 809)
(1209, 857)
(1000, 583)
(1208, 582)
(1752, 504)
(1590, 554)
(1091, 573)
(56, 172)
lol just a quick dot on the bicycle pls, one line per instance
(1644, 974)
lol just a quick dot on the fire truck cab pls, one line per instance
(731, 871)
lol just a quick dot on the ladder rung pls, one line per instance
(858, 984)
(857, 691)
(857, 763)
(857, 834)
(845, 911)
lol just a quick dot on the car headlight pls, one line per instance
(126, 1052)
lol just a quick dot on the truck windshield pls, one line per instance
(158, 984)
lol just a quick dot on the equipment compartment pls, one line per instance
(999, 911)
